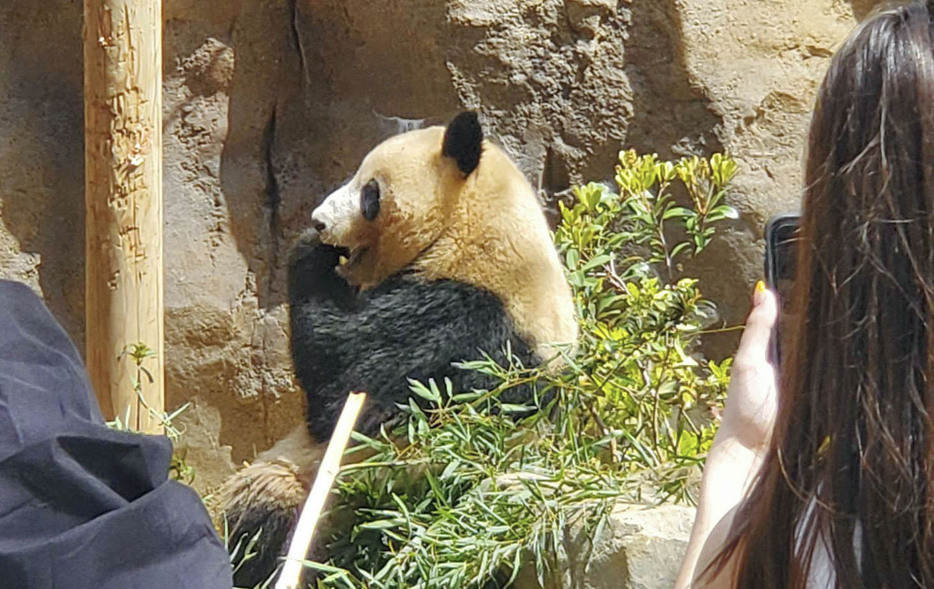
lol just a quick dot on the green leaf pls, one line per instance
(723, 212)
(680, 248)
(429, 393)
(383, 524)
(510, 408)
(596, 262)
(467, 397)
(678, 213)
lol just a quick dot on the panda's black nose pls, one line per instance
(319, 225)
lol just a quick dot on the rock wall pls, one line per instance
(269, 104)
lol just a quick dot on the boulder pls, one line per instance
(639, 547)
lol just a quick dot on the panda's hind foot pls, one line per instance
(260, 505)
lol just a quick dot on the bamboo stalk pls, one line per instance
(123, 194)
(330, 465)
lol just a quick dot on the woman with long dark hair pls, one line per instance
(829, 482)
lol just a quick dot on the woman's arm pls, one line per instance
(739, 447)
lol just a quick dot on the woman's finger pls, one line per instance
(754, 345)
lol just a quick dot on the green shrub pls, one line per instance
(138, 353)
(472, 494)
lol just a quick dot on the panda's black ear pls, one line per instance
(463, 141)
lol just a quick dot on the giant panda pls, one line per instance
(447, 255)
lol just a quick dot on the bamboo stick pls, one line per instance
(330, 465)
(123, 194)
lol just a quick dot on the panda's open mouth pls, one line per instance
(344, 254)
(350, 257)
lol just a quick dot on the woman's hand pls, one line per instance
(752, 400)
(739, 447)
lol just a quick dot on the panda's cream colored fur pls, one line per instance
(283, 473)
(487, 230)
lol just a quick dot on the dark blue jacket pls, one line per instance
(81, 505)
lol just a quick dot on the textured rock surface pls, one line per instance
(268, 104)
(42, 154)
(638, 548)
(758, 64)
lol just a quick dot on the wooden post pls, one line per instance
(123, 194)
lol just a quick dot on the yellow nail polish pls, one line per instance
(758, 294)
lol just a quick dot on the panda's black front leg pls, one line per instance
(313, 271)
(320, 300)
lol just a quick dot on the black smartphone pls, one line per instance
(781, 239)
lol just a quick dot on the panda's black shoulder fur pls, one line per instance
(376, 341)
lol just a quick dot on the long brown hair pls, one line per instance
(851, 463)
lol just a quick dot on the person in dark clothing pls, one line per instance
(82, 505)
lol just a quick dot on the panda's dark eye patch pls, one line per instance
(369, 200)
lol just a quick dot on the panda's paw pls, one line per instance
(313, 267)
(310, 253)
(260, 505)
(310, 237)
